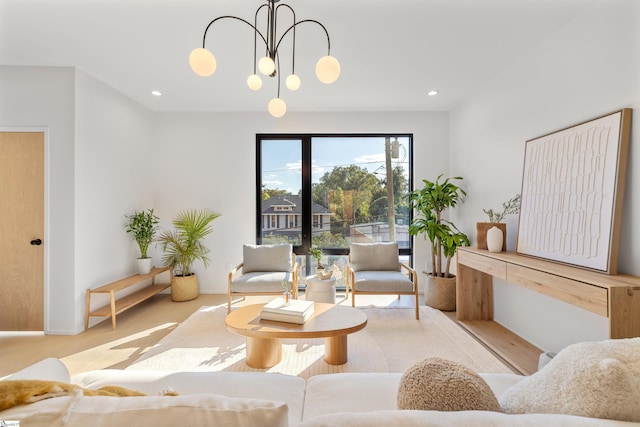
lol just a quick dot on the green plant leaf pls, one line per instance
(183, 246)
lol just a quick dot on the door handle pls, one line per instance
(36, 242)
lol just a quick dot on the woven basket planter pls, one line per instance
(184, 288)
(440, 293)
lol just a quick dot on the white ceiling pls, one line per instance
(391, 52)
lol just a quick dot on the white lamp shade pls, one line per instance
(293, 82)
(277, 107)
(202, 62)
(254, 82)
(328, 69)
(266, 66)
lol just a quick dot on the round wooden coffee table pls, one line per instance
(264, 346)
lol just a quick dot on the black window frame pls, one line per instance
(307, 219)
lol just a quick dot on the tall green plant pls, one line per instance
(183, 246)
(429, 202)
(143, 226)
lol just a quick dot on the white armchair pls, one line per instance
(375, 268)
(262, 271)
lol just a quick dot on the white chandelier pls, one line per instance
(203, 63)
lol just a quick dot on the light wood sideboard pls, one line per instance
(118, 305)
(616, 297)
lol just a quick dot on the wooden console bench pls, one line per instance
(117, 306)
(616, 297)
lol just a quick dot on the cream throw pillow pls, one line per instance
(591, 379)
(374, 256)
(49, 369)
(267, 258)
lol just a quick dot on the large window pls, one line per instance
(328, 191)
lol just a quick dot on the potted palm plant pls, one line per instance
(143, 226)
(429, 202)
(183, 246)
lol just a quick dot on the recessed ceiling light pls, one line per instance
(432, 93)
(156, 93)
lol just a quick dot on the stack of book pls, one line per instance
(295, 311)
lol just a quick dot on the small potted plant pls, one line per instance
(429, 202)
(317, 254)
(143, 226)
(321, 273)
(511, 206)
(183, 246)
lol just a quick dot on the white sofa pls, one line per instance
(255, 399)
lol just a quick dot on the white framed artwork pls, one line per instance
(572, 193)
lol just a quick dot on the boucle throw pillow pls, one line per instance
(442, 385)
(591, 379)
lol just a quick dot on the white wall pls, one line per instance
(586, 69)
(208, 161)
(43, 97)
(114, 176)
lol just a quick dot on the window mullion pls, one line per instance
(306, 193)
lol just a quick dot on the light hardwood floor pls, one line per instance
(101, 347)
(138, 329)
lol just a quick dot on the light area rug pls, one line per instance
(391, 342)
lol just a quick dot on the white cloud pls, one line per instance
(297, 167)
(370, 158)
(317, 169)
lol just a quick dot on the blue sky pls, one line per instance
(281, 160)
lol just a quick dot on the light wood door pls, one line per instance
(21, 231)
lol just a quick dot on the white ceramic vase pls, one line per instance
(144, 266)
(494, 239)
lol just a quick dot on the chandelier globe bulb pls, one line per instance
(293, 82)
(266, 66)
(328, 69)
(254, 82)
(202, 62)
(277, 107)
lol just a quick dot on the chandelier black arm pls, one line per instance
(204, 37)
(278, 61)
(255, 36)
(293, 53)
(302, 22)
